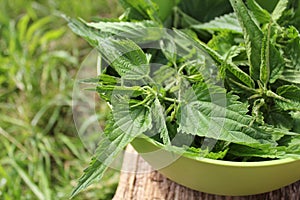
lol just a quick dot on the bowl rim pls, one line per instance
(225, 162)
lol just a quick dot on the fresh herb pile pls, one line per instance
(223, 84)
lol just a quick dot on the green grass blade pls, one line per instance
(22, 27)
(37, 26)
(25, 177)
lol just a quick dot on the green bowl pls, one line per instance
(217, 176)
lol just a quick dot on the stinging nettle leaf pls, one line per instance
(226, 22)
(164, 75)
(252, 35)
(143, 31)
(125, 57)
(272, 61)
(292, 94)
(279, 9)
(245, 151)
(123, 126)
(168, 48)
(210, 112)
(265, 59)
(255, 47)
(279, 119)
(141, 10)
(81, 29)
(240, 74)
(138, 31)
(222, 42)
(159, 119)
(261, 15)
(296, 120)
(256, 112)
(293, 147)
(205, 10)
(292, 48)
(277, 63)
(290, 75)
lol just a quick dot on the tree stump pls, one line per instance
(139, 182)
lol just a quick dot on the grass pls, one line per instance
(41, 155)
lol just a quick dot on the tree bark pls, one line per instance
(139, 182)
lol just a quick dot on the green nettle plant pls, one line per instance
(227, 85)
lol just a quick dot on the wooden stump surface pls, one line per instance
(139, 182)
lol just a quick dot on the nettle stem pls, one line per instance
(171, 100)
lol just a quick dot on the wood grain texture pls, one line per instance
(139, 182)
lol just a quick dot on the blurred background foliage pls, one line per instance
(41, 155)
